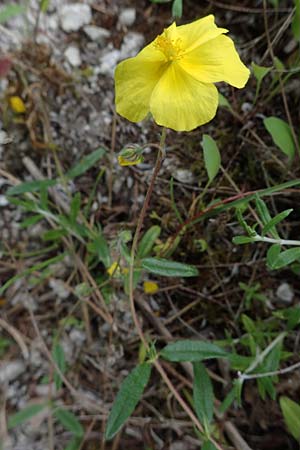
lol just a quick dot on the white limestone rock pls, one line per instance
(72, 55)
(74, 16)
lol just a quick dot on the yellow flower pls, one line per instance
(150, 287)
(114, 269)
(173, 76)
(17, 104)
(130, 156)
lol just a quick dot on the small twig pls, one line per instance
(17, 337)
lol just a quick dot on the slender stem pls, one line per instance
(259, 238)
(156, 363)
(271, 374)
(137, 235)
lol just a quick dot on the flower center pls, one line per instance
(171, 48)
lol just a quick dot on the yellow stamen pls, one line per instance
(171, 48)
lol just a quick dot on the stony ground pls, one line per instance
(62, 67)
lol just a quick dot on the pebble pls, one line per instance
(72, 55)
(9, 371)
(58, 288)
(97, 34)
(127, 17)
(3, 200)
(74, 16)
(131, 45)
(285, 293)
(108, 63)
(184, 176)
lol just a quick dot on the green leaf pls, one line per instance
(281, 135)
(130, 392)
(265, 216)
(208, 445)
(285, 258)
(242, 240)
(187, 350)
(39, 266)
(275, 220)
(167, 268)
(259, 72)
(228, 400)
(54, 235)
(270, 364)
(275, 3)
(30, 186)
(86, 163)
(203, 394)
(30, 221)
(11, 10)
(147, 241)
(272, 255)
(224, 102)
(25, 414)
(69, 421)
(44, 5)
(212, 158)
(177, 9)
(74, 444)
(296, 21)
(75, 207)
(99, 247)
(291, 414)
(59, 357)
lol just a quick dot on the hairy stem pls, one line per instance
(156, 362)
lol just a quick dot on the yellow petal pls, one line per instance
(150, 287)
(198, 32)
(135, 79)
(17, 104)
(216, 60)
(114, 269)
(182, 103)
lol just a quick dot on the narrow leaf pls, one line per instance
(187, 350)
(74, 444)
(177, 8)
(147, 241)
(281, 135)
(59, 357)
(44, 5)
(25, 414)
(130, 392)
(291, 414)
(212, 158)
(287, 257)
(224, 102)
(167, 268)
(259, 72)
(275, 220)
(10, 10)
(208, 445)
(30, 186)
(265, 216)
(86, 163)
(203, 394)
(242, 240)
(69, 421)
(272, 255)
(296, 21)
